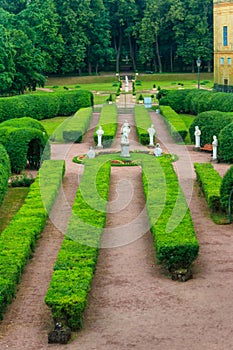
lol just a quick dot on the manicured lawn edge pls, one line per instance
(176, 126)
(77, 125)
(108, 121)
(19, 237)
(77, 258)
(172, 228)
(143, 122)
(210, 183)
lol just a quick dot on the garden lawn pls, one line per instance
(52, 126)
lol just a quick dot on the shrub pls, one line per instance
(210, 182)
(75, 265)
(143, 122)
(108, 121)
(171, 223)
(21, 180)
(176, 126)
(18, 239)
(4, 172)
(210, 123)
(77, 125)
(225, 148)
(226, 188)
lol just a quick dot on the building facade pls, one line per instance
(223, 45)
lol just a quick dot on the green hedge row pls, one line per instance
(171, 224)
(225, 190)
(225, 149)
(25, 141)
(18, 239)
(143, 122)
(210, 183)
(197, 101)
(75, 265)
(210, 123)
(5, 168)
(42, 106)
(108, 121)
(176, 126)
(77, 125)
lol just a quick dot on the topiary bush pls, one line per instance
(225, 149)
(226, 188)
(108, 121)
(143, 122)
(176, 126)
(5, 168)
(77, 125)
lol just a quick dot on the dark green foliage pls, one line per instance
(18, 239)
(210, 123)
(21, 180)
(175, 124)
(225, 148)
(25, 141)
(210, 182)
(173, 98)
(171, 223)
(75, 265)
(77, 125)
(226, 188)
(42, 106)
(108, 121)
(143, 122)
(4, 172)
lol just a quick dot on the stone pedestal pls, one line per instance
(197, 149)
(125, 150)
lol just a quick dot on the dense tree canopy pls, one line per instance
(41, 37)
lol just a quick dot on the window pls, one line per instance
(225, 38)
(222, 60)
(225, 81)
(229, 61)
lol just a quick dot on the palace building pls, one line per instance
(223, 45)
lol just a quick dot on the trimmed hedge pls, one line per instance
(143, 122)
(225, 149)
(42, 106)
(5, 167)
(210, 123)
(18, 239)
(25, 141)
(108, 121)
(175, 241)
(77, 125)
(226, 188)
(210, 183)
(176, 126)
(75, 265)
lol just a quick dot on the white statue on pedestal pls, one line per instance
(151, 132)
(91, 153)
(215, 146)
(158, 150)
(125, 130)
(197, 134)
(100, 133)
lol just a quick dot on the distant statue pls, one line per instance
(100, 133)
(125, 130)
(91, 153)
(215, 146)
(151, 132)
(158, 150)
(197, 134)
(126, 80)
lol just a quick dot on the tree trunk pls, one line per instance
(158, 55)
(209, 66)
(132, 54)
(171, 59)
(118, 50)
(89, 68)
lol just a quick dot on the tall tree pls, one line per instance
(14, 6)
(7, 66)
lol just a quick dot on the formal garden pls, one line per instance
(132, 256)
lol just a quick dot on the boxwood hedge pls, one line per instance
(18, 239)
(75, 265)
(210, 183)
(225, 149)
(210, 123)
(42, 106)
(4, 172)
(175, 241)
(25, 141)
(108, 121)
(143, 122)
(226, 188)
(77, 125)
(176, 126)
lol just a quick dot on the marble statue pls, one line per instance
(215, 146)
(197, 134)
(151, 132)
(91, 153)
(125, 130)
(158, 150)
(100, 133)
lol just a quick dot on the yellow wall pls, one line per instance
(223, 16)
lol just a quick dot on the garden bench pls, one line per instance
(207, 147)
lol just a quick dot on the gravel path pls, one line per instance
(132, 304)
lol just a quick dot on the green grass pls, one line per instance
(51, 125)
(187, 119)
(12, 202)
